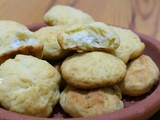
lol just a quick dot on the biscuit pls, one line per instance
(89, 37)
(93, 70)
(29, 86)
(48, 36)
(130, 44)
(17, 39)
(61, 15)
(142, 75)
(84, 103)
(9, 29)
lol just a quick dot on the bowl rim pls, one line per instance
(139, 109)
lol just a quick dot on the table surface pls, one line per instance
(139, 15)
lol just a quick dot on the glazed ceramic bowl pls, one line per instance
(136, 108)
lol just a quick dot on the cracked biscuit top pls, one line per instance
(15, 39)
(89, 37)
(29, 86)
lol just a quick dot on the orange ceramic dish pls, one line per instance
(139, 108)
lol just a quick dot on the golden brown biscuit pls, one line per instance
(17, 39)
(130, 44)
(48, 36)
(142, 75)
(29, 86)
(89, 37)
(62, 15)
(83, 103)
(93, 70)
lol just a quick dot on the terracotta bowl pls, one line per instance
(136, 108)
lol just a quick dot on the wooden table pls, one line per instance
(140, 15)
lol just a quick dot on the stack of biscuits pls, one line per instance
(85, 65)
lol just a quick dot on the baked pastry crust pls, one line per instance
(29, 86)
(130, 45)
(9, 29)
(62, 15)
(89, 37)
(93, 70)
(15, 39)
(142, 75)
(48, 36)
(84, 103)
